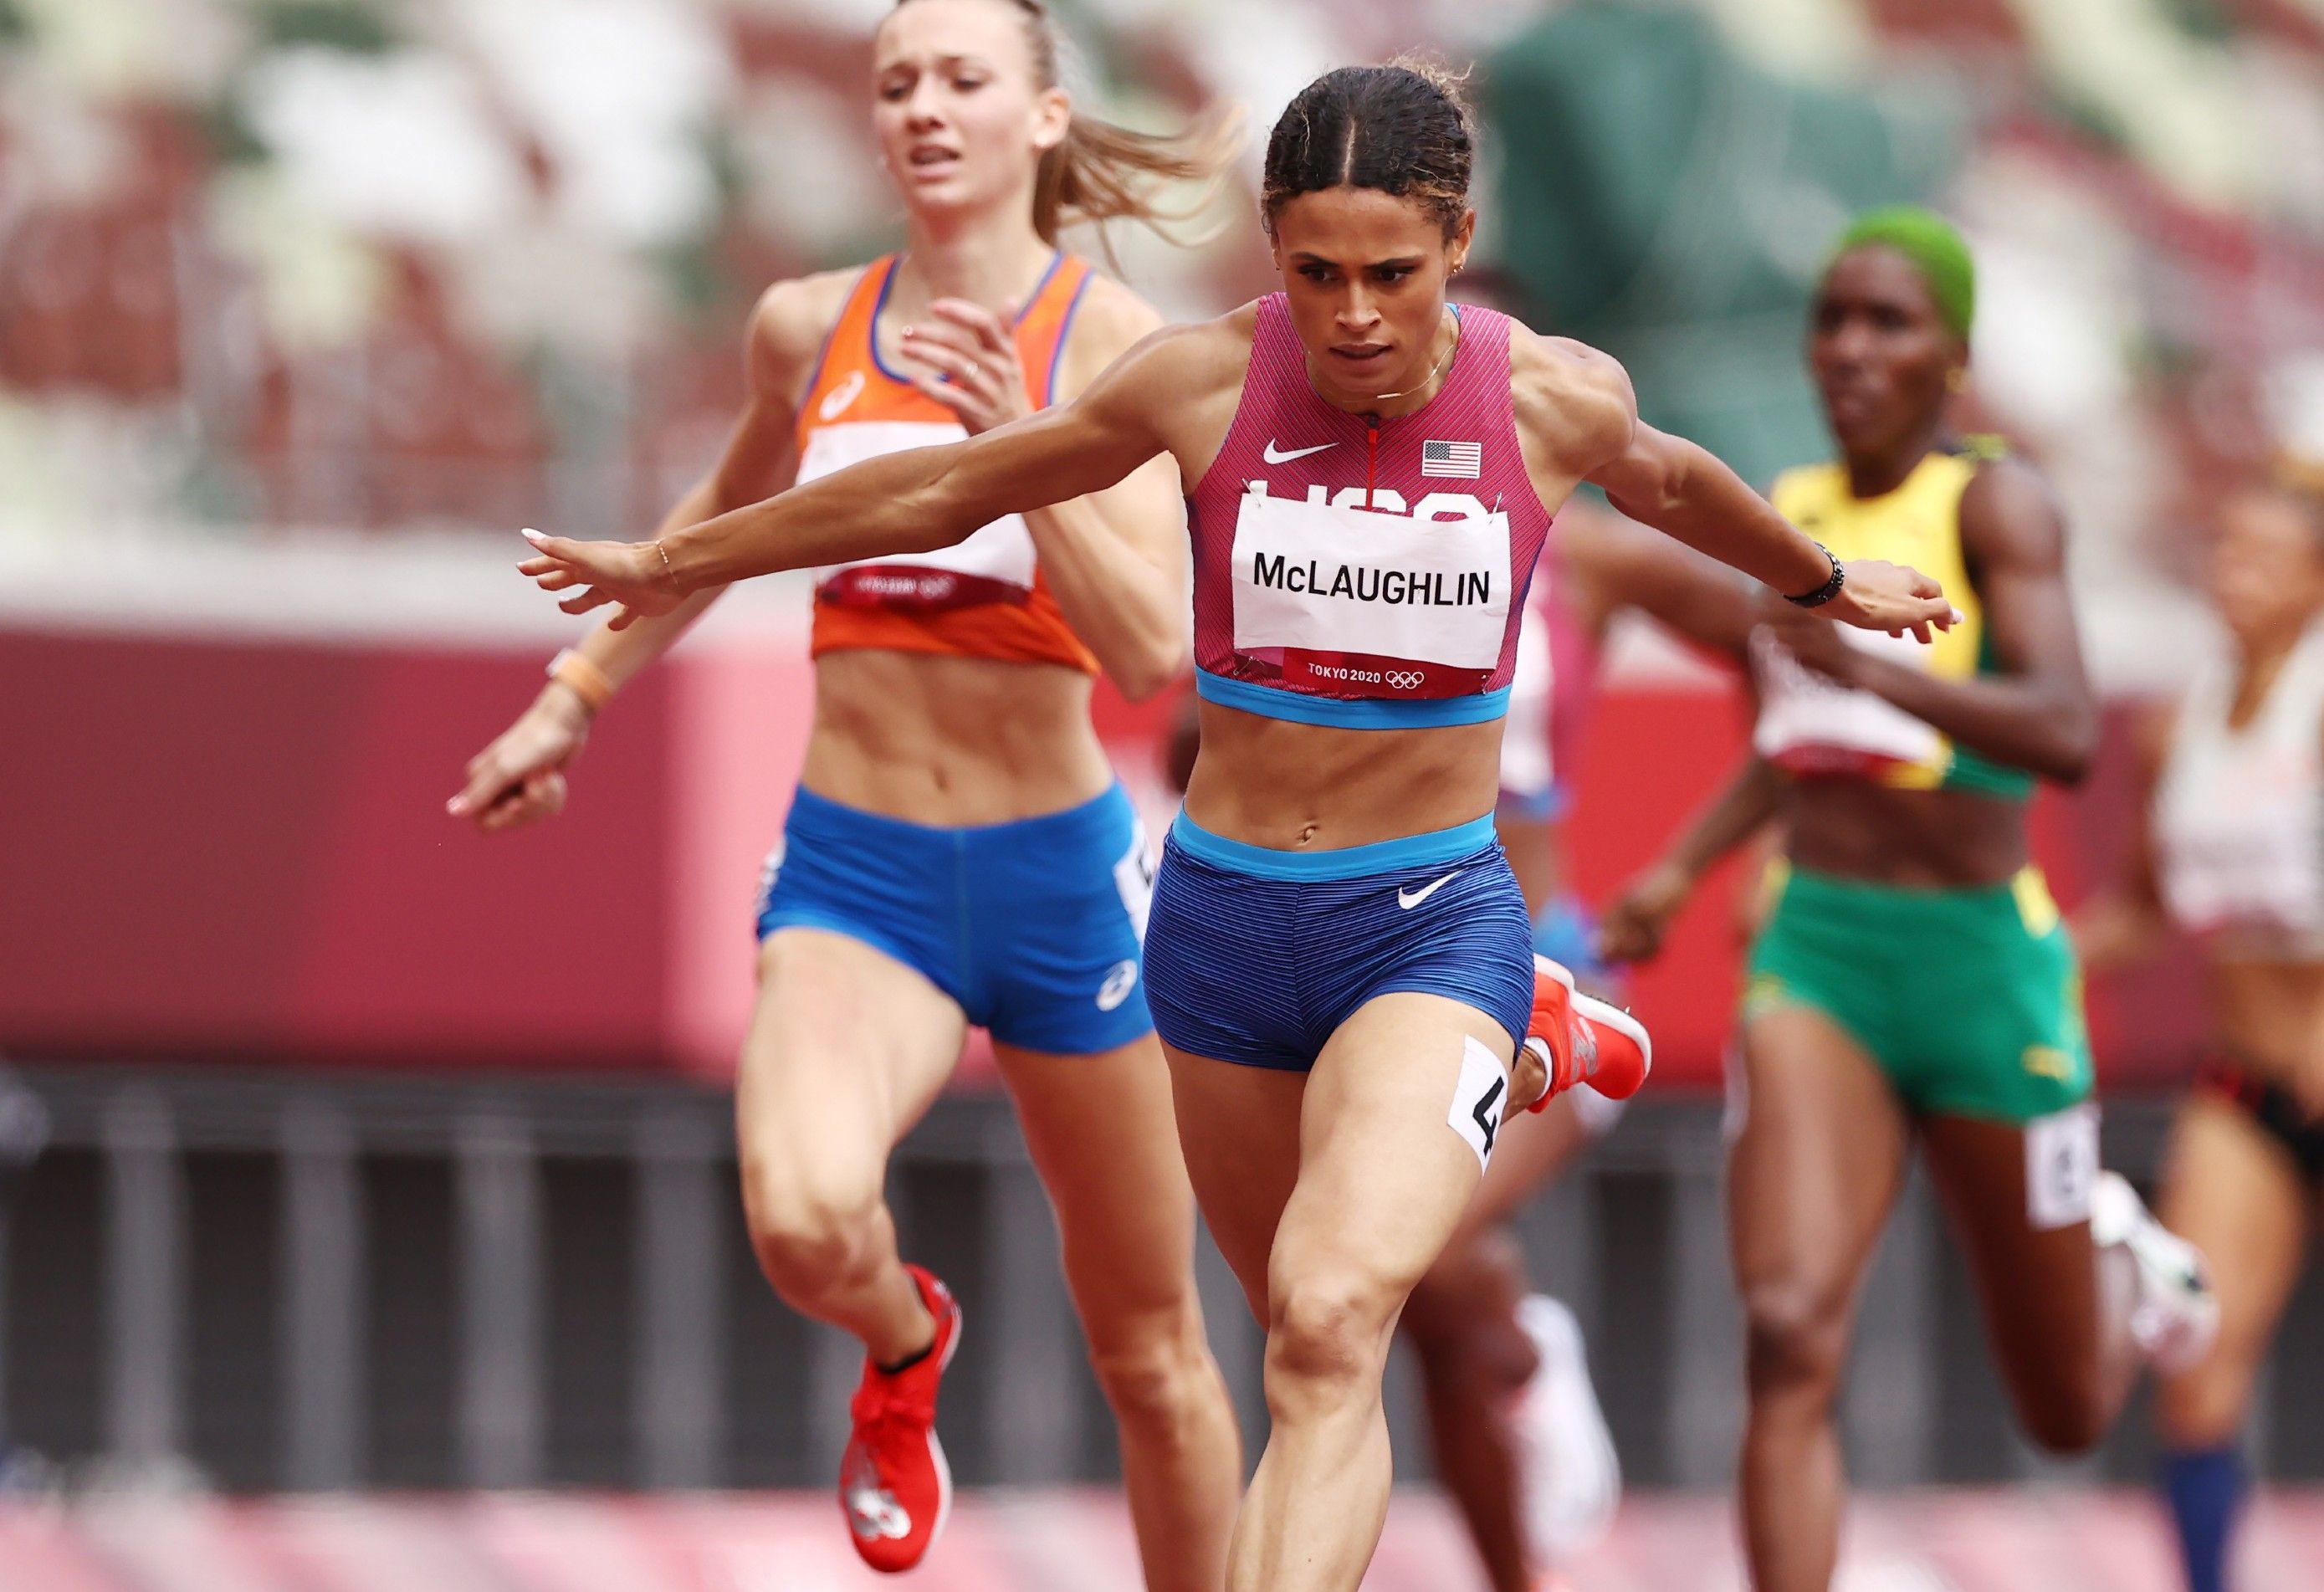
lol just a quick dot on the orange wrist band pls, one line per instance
(584, 678)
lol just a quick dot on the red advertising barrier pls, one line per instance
(238, 850)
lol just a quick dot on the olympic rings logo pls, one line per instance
(1404, 679)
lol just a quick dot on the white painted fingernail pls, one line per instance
(531, 535)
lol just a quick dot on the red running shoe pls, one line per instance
(1549, 1032)
(894, 1485)
(1580, 1039)
(1611, 1048)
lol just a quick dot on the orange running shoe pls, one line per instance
(1581, 1039)
(894, 1485)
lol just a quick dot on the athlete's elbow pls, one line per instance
(1663, 497)
(935, 513)
(1668, 480)
(1139, 686)
(1146, 670)
(2073, 747)
(1649, 495)
(2073, 764)
(927, 522)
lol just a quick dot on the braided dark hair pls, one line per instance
(1401, 129)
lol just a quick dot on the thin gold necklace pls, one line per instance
(1433, 371)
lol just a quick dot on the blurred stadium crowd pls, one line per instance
(397, 264)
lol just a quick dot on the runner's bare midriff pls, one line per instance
(2266, 1014)
(952, 741)
(1936, 839)
(1305, 788)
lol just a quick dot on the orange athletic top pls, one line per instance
(983, 598)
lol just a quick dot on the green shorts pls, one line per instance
(1970, 1000)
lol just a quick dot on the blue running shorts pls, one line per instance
(1031, 926)
(1256, 956)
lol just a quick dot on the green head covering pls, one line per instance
(1932, 244)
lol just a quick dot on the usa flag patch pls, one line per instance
(1461, 459)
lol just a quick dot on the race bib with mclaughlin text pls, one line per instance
(1362, 603)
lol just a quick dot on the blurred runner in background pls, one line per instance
(1912, 978)
(2231, 850)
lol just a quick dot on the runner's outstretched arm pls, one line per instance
(2032, 708)
(1576, 409)
(913, 501)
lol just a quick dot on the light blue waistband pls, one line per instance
(1357, 712)
(1431, 850)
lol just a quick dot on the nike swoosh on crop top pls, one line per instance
(1370, 576)
(984, 597)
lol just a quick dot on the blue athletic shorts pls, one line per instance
(1256, 956)
(1033, 927)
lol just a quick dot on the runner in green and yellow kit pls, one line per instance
(1912, 978)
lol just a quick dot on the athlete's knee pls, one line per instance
(1462, 1317)
(1155, 1373)
(2066, 1395)
(813, 1222)
(2070, 1415)
(2205, 1407)
(1796, 1339)
(1327, 1329)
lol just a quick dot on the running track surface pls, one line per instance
(2030, 1540)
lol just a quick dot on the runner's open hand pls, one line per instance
(631, 573)
(1878, 595)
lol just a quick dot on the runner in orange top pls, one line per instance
(958, 851)
(988, 597)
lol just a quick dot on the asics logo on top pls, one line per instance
(873, 1510)
(1408, 900)
(1118, 983)
(837, 400)
(1276, 455)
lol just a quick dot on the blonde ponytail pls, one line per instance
(1103, 172)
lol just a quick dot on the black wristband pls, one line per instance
(1826, 592)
